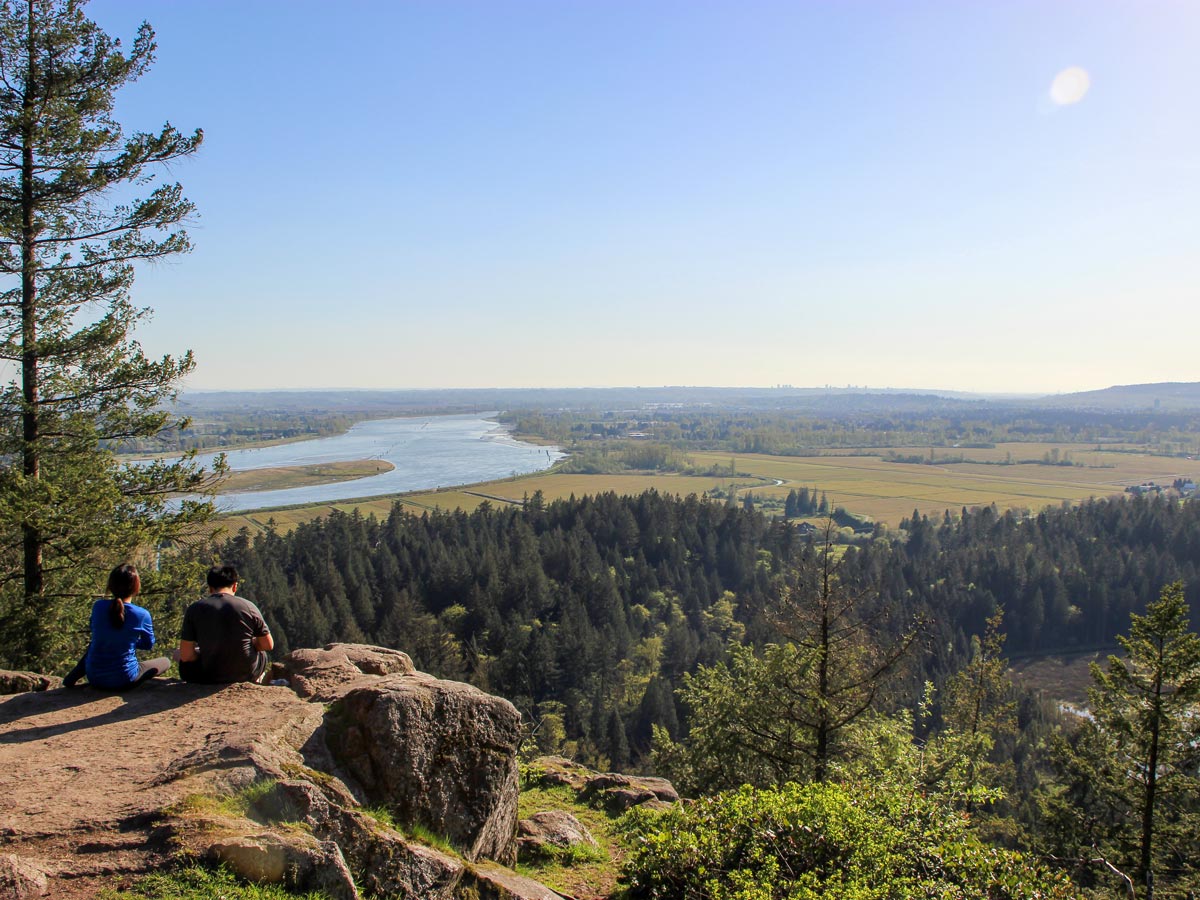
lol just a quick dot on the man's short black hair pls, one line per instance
(221, 577)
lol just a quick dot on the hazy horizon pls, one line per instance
(996, 198)
(859, 388)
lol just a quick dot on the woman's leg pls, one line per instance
(152, 668)
(72, 677)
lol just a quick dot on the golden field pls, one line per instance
(864, 484)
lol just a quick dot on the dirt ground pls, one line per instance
(84, 774)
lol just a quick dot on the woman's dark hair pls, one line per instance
(123, 583)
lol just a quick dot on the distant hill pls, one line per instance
(812, 401)
(1166, 395)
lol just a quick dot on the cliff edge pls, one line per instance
(317, 785)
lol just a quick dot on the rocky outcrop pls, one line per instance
(612, 791)
(439, 754)
(331, 672)
(19, 682)
(547, 833)
(389, 865)
(273, 782)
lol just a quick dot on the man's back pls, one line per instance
(224, 626)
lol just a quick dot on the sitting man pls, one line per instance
(224, 638)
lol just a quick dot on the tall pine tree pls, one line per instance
(1131, 787)
(71, 230)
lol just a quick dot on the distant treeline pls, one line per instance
(215, 432)
(795, 433)
(587, 612)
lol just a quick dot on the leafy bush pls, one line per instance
(827, 841)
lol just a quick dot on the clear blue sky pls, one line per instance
(623, 192)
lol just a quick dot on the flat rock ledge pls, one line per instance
(311, 787)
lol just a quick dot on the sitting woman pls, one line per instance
(118, 629)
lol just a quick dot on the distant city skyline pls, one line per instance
(987, 197)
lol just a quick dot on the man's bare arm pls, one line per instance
(264, 642)
(187, 651)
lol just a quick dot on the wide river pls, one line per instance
(429, 452)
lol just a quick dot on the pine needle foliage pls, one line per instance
(72, 228)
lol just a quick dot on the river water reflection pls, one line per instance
(430, 452)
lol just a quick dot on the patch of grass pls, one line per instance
(238, 805)
(430, 839)
(383, 816)
(579, 871)
(197, 883)
(304, 773)
(249, 796)
(570, 857)
(418, 833)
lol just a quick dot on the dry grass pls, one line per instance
(888, 491)
(1065, 678)
(864, 484)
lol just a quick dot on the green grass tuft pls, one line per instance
(238, 805)
(418, 833)
(196, 883)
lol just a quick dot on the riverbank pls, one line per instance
(280, 478)
(422, 453)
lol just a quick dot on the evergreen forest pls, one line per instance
(644, 632)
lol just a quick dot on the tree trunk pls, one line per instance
(30, 413)
(1151, 783)
(821, 754)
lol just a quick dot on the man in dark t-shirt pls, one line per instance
(224, 637)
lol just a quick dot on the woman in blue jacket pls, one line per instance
(119, 627)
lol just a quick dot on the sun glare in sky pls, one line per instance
(547, 194)
(1070, 86)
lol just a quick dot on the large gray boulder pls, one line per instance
(439, 754)
(326, 674)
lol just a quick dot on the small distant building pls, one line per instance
(1148, 487)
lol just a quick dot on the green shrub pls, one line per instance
(823, 842)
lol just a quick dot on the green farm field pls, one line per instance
(864, 484)
(889, 491)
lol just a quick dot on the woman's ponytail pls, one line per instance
(123, 584)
